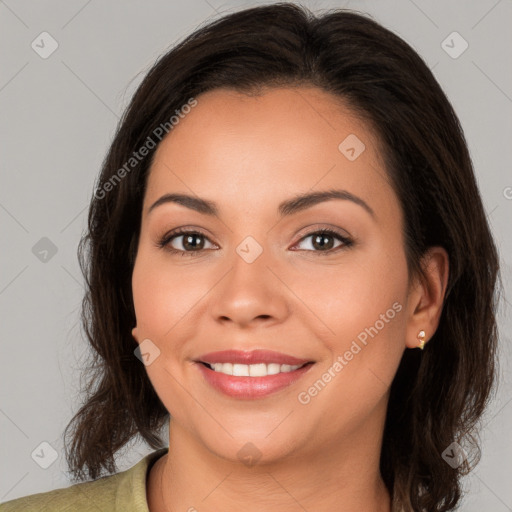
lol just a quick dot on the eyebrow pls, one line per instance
(289, 207)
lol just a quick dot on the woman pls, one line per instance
(288, 257)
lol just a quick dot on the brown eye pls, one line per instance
(191, 242)
(323, 241)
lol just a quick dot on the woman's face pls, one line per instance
(257, 277)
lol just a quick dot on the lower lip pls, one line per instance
(251, 388)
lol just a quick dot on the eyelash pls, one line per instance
(166, 239)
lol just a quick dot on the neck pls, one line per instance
(342, 477)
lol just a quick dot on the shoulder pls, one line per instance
(78, 497)
(124, 491)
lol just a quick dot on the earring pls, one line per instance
(421, 337)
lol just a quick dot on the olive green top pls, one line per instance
(121, 492)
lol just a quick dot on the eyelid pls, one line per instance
(315, 228)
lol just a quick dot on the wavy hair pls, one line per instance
(438, 395)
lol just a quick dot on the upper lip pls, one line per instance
(251, 357)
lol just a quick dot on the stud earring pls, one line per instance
(421, 337)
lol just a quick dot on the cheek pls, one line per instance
(353, 295)
(162, 296)
(364, 309)
(161, 303)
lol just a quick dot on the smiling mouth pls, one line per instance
(253, 370)
(251, 375)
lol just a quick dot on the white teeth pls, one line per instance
(273, 368)
(240, 370)
(252, 370)
(258, 370)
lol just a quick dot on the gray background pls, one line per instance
(58, 117)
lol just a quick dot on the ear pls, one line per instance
(135, 334)
(426, 296)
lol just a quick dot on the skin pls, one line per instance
(249, 153)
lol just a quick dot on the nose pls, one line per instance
(250, 293)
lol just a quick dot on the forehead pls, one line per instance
(271, 145)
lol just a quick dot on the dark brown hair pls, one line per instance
(438, 395)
